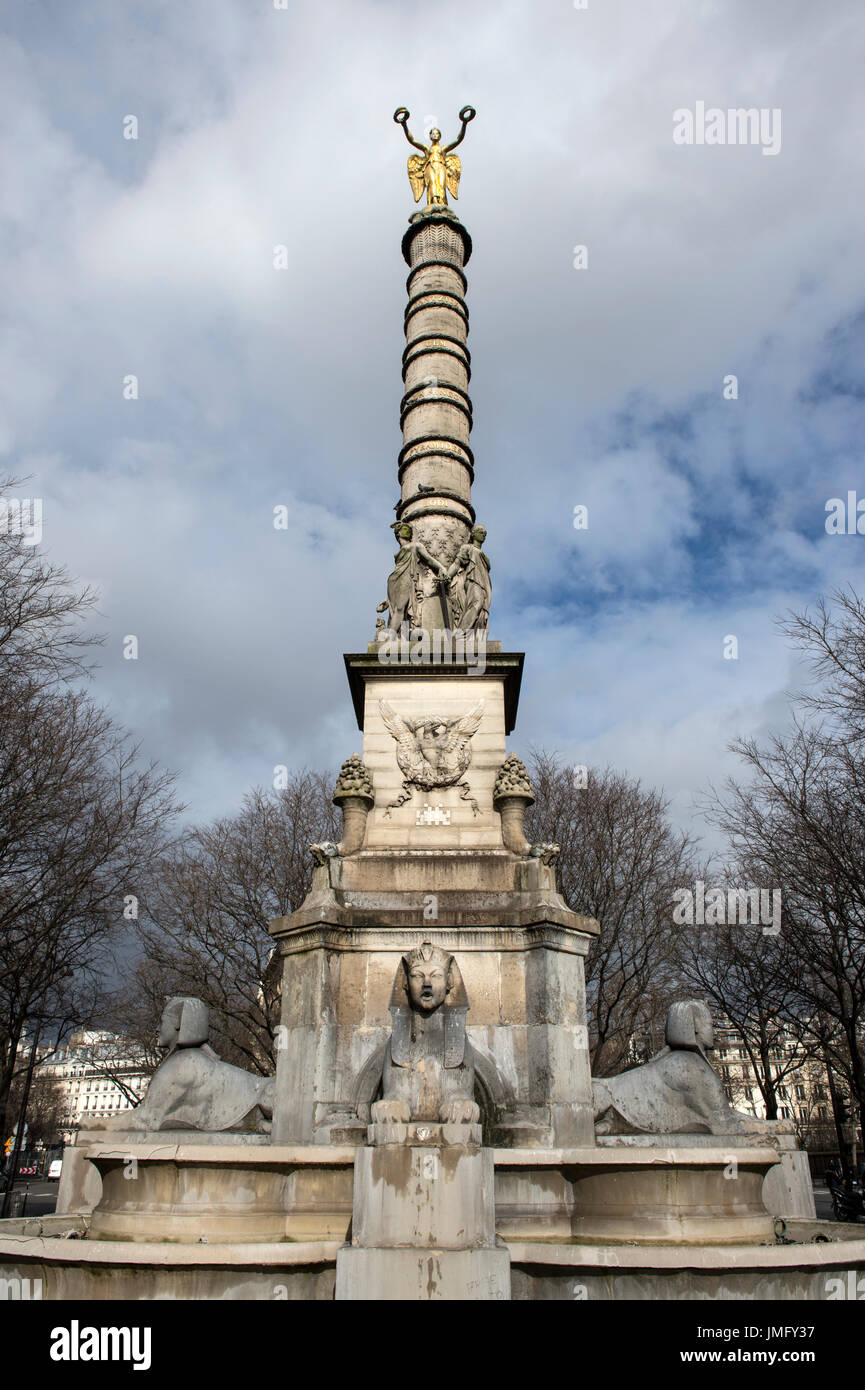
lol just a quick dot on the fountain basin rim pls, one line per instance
(255, 1255)
(233, 1155)
(845, 1252)
(609, 1158)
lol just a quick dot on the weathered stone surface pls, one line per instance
(526, 1028)
(440, 1197)
(120, 1270)
(381, 1276)
(714, 1272)
(80, 1186)
(192, 1088)
(423, 1225)
(227, 1193)
(677, 1092)
(428, 1071)
(649, 1195)
(163, 1197)
(787, 1187)
(72, 1270)
(423, 1134)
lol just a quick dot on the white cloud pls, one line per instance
(603, 386)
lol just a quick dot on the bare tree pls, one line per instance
(82, 821)
(748, 978)
(46, 1109)
(832, 639)
(620, 862)
(42, 641)
(799, 821)
(206, 928)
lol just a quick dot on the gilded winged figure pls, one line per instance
(436, 169)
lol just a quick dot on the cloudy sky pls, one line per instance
(601, 387)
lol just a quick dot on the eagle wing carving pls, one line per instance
(457, 751)
(455, 755)
(411, 761)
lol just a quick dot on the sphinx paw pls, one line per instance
(460, 1112)
(390, 1112)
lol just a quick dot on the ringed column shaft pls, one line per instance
(436, 464)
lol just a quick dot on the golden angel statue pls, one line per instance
(435, 169)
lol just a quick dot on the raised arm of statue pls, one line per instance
(459, 563)
(401, 116)
(467, 114)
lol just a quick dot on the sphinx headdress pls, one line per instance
(454, 1008)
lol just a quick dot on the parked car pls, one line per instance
(54, 1168)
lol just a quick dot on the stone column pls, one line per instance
(435, 465)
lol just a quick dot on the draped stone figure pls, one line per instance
(471, 589)
(429, 1067)
(405, 586)
(677, 1092)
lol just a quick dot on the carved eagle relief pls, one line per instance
(432, 752)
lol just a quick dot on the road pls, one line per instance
(41, 1197)
(823, 1203)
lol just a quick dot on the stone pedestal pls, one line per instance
(526, 1024)
(380, 1276)
(423, 1224)
(446, 877)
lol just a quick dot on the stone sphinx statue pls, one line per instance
(192, 1088)
(677, 1092)
(429, 1069)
